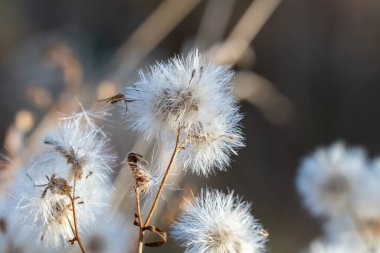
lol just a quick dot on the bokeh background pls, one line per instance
(307, 75)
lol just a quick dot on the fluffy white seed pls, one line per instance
(218, 223)
(76, 152)
(82, 143)
(194, 95)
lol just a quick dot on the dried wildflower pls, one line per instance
(137, 164)
(146, 177)
(46, 209)
(219, 223)
(194, 95)
(84, 147)
(329, 179)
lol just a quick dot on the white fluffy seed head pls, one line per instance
(42, 210)
(219, 223)
(329, 179)
(46, 211)
(76, 151)
(210, 146)
(194, 95)
(82, 143)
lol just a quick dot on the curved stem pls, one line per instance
(170, 166)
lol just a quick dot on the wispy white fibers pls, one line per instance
(329, 179)
(76, 151)
(44, 211)
(210, 145)
(219, 223)
(194, 95)
(13, 235)
(82, 143)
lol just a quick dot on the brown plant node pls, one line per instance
(56, 185)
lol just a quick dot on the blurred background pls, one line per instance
(307, 75)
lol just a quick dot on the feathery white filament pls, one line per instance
(218, 223)
(194, 95)
(76, 151)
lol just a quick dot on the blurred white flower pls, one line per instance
(218, 223)
(320, 246)
(329, 180)
(347, 242)
(193, 95)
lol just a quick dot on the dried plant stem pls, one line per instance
(77, 237)
(141, 233)
(176, 150)
(140, 245)
(170, 166)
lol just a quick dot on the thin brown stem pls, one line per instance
(141, 244)
(176, 150)
(138, 206)
(77, 237)
(141, 233)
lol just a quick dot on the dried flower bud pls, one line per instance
(71, 157)
(138, 166)
(58, 186)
